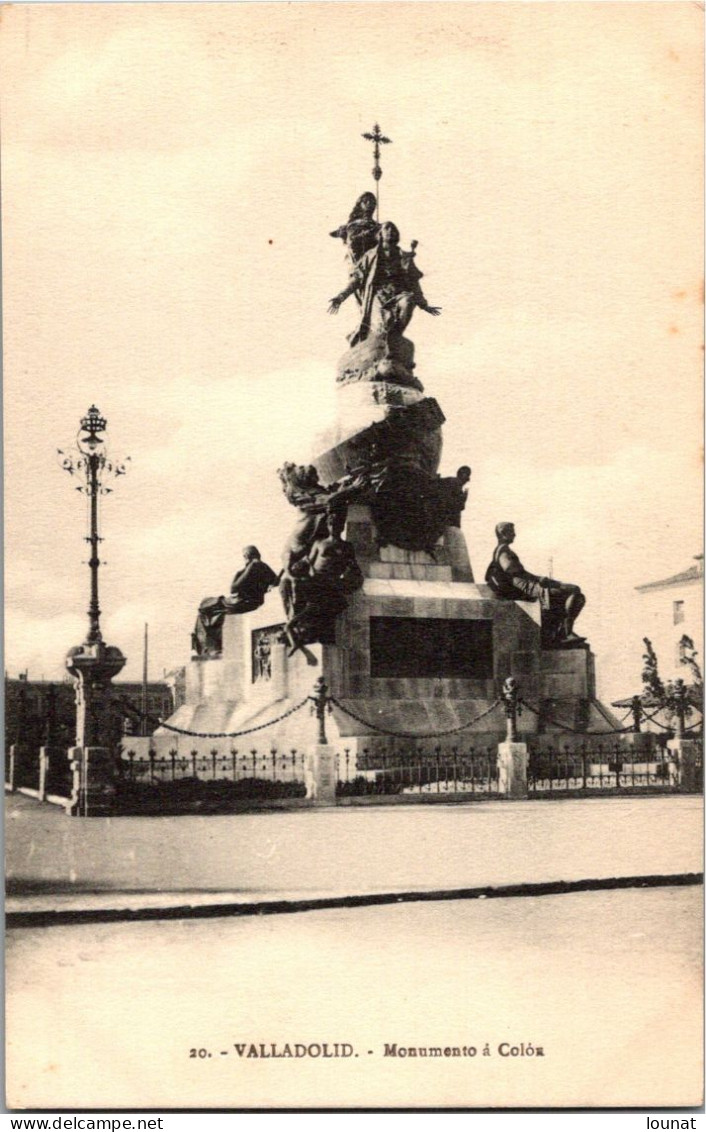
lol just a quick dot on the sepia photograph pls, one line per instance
(353, 418)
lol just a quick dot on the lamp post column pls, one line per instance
(93, 664)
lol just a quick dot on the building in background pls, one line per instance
(29, 704)
(673, 608)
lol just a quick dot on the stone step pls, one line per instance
(419, 572)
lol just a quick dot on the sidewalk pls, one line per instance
(58, 863)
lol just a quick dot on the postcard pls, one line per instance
(354, 581)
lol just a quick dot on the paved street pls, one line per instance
(608, 984)
(55, 861)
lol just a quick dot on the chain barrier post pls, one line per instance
(512, 755)
(320, 699)
(683, 751)
(320, 762)
(632, 736)
(510, 696)
(680, 703)
(636, 709)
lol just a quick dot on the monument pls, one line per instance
(377, 593)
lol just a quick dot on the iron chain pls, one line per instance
(413, 734)
(653, 719)
(231, 734)
(575, 730)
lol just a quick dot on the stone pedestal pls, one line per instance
(321, 775)
(684, 753)
(396, 419)
(512, 769)
(369, 669)
(568, 674)
(93, 772)
(420, 650)
(568, 692)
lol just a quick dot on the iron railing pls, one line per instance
(213, 782)
(218, 765)
(417, 771)
(603, 767)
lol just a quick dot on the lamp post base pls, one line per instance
(93, 666)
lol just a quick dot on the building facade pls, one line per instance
(673, 609)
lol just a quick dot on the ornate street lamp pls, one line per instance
(93, 664)
(90, 462)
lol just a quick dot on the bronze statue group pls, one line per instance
(320, 572)
(319, 569)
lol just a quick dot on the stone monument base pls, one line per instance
(420, 651)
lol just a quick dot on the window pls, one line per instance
(678, 612)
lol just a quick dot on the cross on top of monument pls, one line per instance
(378, 139)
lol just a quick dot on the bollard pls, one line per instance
(510, 695)
(684, 751)
(684, 756)
(320, 766)
(681, 707)
(512, 755)
(320, 699)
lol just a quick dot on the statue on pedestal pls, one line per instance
(385, 282)
(561, 602)
(360, 232)
(247, 592)
(400, 446)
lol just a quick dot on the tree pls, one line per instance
(687, 657)
(653, 689)
(669, 697)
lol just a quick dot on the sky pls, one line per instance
(170, 174)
